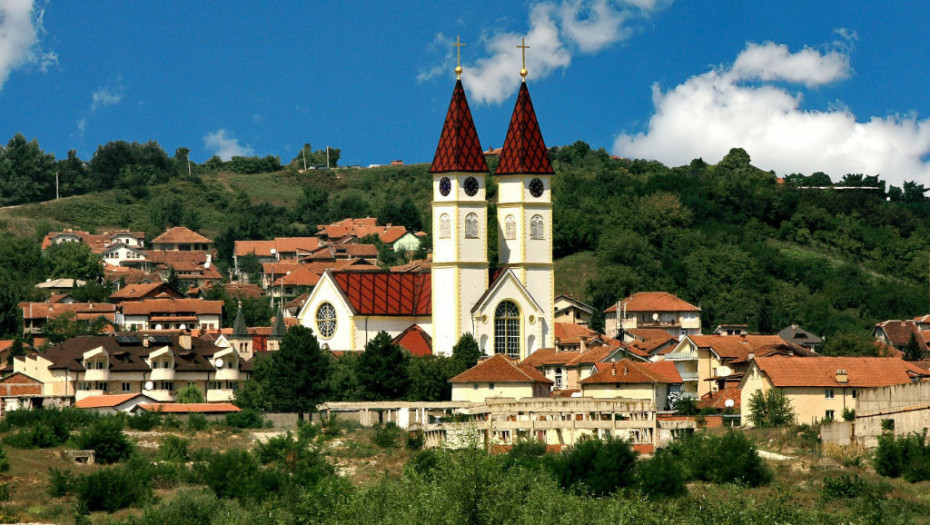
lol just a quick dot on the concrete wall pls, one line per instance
(837, 432)
(908, 406)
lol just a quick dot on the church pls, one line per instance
(509, 307)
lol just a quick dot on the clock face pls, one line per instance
(536, 187)
(445, 186)
(471, 186)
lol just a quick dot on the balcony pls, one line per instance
(688, 376)
(227, 374)
(681, 356)
(95, 374)
(217, 395)
(162, 374)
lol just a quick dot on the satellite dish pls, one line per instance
(158, 327)
(655, 317)
(729, 403)
(183, 327)
(273, 251)
(149, 385)
(218, 362)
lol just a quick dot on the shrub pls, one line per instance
(849, 414)
(414, 440)
(110, 489)
(68, 418)
(308, 432)
(60, 482)
(843, 486)
(387, 436)
(661, 476)
(196, 422)
(595, 466)
(105, 437)
(144, 420)
(190, 394)
(277, 448)
(39, 435)
(229, 474)
(247, 418)
(171, 422)
(423, 463)
(770, 409)
(730, 458)
(174, 448)
(907, 456)
(526, 452)
(686, 406)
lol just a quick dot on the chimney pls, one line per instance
(751, 356)
(145, 341)
(583, 343)
(184, 341)
(842, 376)
(626, 370)
(613, 370)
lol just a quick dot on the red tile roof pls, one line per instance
(143, 290)
(243, 290)
(182, 235)
(184, 408)
(158, 306)
(899, 333)
(371, 293)
(524, 150)
(571, 333)
(634, 372)
(656, 302)
(593, 355)
(500, 369)
(718, 400)
(299, 277)
(549, 356)
(862, 372)
(415, 340)
(296, 244)
(459, 149)
(737, 347)
(257, 248)
(81, 310)
(108, 401)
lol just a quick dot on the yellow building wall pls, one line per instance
(468, 392)
(810, 404)
(629, 391)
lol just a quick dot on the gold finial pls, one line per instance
(458, 59)
(523, 47)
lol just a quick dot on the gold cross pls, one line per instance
(458, 59)
(523, 47)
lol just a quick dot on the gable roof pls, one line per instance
(500, 369)
(737, 347)
(388, 294)
(180, 234)
(300, 277)
(571, 333)
(257, 248)
(524, 150)
(184, 408)
(109, 401)
(634, 372)
(799, 336)
(81, 311)
(139, 291)
(415, 340)
(153, 306)
(656, 302)
(862, 372)
(899, 333)
(498, 277)
(550, 357)
(459, 149)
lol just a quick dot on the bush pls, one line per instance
(843, 486)
(174, 448)
(661, 476)
(277, 448)
(414, 440)
(594, 466)
(171, 422)
(247, 418)
(423, 463)
(68, 418)
(60, 482)
(686, 406)
(526, 452)
(196, 422)
(144, 420)
(907, 456)
(105, 437)
(236, 474)
(730, 458)
(308, 432)
(110, 489)
(40, 435)
(770, 409)
(387, 436)
(849, 414)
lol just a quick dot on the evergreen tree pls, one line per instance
(466, 352)
(382, 370)
(912, 351)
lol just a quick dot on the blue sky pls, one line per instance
(803, 86)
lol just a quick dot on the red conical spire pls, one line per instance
(524, 150)
(459, 148)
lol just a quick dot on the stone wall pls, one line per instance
(900, 409)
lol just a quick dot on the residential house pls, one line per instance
(60, 286)
(172, 314)
(499, 376)
(571, 310)
(652, 341)
(158, 366)
(279, 249)
(139, 292)
(794, 334)
(558, 367)
(898, 334)
(822, 388)
(192, 267)
(182, 239)
(732, 329)
(117, 248)
(37, 315)
(572, 337)
(653, 310)
(632, 379)
(113, 403)
(332, 253)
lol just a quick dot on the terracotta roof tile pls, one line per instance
(656, 302)
(718, 400)
(459, 149)
(737, 347)
(571, 333)
(299, 277)
(158, 306)
(593, 355)
(185, 408)
(257, 248)
(180, 234)
(46, 310)
(372, 293)
(549, 356)
(524, 150)
(862, 372)
(415, 340)
(107, 401)
(634, 372)
(500, 369)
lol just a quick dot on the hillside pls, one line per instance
(728, 237)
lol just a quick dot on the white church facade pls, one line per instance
(509, 308)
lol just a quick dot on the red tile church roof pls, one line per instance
(524, 150)
(459, 148)
(416, 341)
(372, 293)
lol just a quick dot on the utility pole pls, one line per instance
(304, 155)
(327, 157)
(188, 164)
(56, 185)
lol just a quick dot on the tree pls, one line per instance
(27, 173)
(466, 352)
(63, 327)
(298, 380)
(190, 394)
(382, 370)
(429, 378)
(73, 260)
(851, 343)
(16, 350)
(770, 409)
(912, 351)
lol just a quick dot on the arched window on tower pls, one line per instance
(445, 227)
(507, 329)
(510, 228)
(536, 227)
(471, 226)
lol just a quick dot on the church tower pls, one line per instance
(460, 210)
(524, 208)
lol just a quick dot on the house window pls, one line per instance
(475, 386)
(167, 385)
(84, 386)
(558, 378)
(155, 364)
(507, 329)
(855, 394)
(828, 393)
(510, 228)
(536, 228)
(829, 415)
(232, 385)
(101, 386)
(471, 226)
(127, 387)
(445, 227)
(326, 320)
(215, 385)
(490, 386)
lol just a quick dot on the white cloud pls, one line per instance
(710, 113)
(20, 28)
(224, 146)
(105, 97)
(443, 43)
(556, 31)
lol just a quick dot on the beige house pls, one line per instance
(822, 388)
(630, 379)
(499, 376)
(653, 310)
(570, 310)
(182, 239)
(172, 314)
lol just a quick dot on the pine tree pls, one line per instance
(382, 370)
